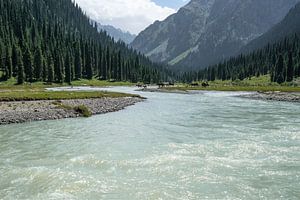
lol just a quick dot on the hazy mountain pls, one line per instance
(288, 26)
(117, 33)
(206, 31)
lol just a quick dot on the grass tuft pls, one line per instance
(83, 110)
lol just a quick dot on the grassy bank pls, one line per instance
(9, 91)
(254, 84)
(27, 95)
(11, 84)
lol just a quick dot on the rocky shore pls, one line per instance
(274, 96)
(26, 111)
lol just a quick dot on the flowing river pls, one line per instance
(204, 145)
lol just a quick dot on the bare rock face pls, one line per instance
(206, 31)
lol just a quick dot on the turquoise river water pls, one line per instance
(204, 145)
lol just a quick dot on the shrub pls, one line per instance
(83, 110)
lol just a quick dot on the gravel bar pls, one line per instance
(27, 111)
(275, 96)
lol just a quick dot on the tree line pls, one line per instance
(281, 60)
(54, 41)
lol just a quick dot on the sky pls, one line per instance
(130, 15)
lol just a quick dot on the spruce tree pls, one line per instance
(14, 60)
(8, 63)
(89, 67)
(78, 63)
(50, 77)
(20, 74)
(27, 60)
(290, 68)
(68, 74)
(58, 66)
(38, 64)
(45, 71)
(280, 70)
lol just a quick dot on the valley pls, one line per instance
(201, 104)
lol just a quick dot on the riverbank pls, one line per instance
(253, 94)
(274, 96)
(27, 111)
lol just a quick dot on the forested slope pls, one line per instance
(277, 53)
(54, 41)
(281, 60)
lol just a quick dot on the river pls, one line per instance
(203, 145)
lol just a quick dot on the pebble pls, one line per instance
(20, 112)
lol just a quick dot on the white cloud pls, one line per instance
(130, 15)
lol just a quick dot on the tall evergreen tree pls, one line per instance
(290, 68)
(68, 74)
(8, 63)
(280, 70)
(38, 64)
(50, 78)
(21, 74)
(78, 63)
(28, 64)
(14, 60)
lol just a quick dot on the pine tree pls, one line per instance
(50, 77)
(78, 63)
(89, 67)
(290, 68)
(68, 78)
(21, 75)
(38, 64)
(14, 60)
(280, 70)
(8, 64)
(58, 69)
(45, 71)
(27, 60)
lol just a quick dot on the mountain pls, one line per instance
(54, 41)
(117, 33)
(287, 27)
(206, 31)
(276, 53)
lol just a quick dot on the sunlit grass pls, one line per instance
(261, 83)
(11, 84)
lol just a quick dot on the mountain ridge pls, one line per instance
(206, 31)
(117, 33)
(290, 25)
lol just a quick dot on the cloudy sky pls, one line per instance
(130, 15)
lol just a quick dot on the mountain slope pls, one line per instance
(117, 33)
(277, 53)
(207, 31)
(54, 41)
(288, 26)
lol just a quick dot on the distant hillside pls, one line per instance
(289, 26)
(117, 33)
(276, 53)
(205, 32)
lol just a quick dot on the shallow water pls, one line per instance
(205, 145)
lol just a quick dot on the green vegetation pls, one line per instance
(53, 41)
(11, 84)
(81, 109)
(37, 94)
(261, 83)
(280, 60)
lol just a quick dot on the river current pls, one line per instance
(202, 145)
